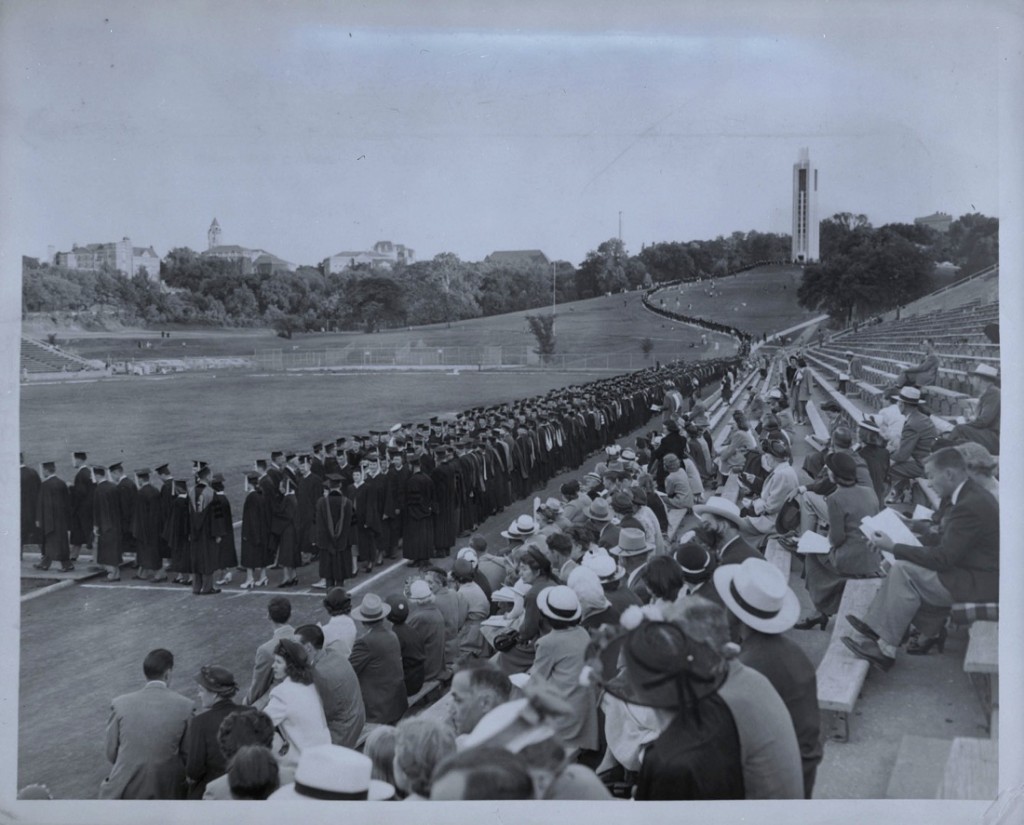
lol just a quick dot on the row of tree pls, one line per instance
(866, 270)
(863, 270)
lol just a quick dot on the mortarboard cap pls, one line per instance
(163, 469)
(116, 466)
(80, 456)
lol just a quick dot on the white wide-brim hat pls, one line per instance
(334, 773)
(758, 594)
(986, 371)
(722, 507)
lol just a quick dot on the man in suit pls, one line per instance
(916, 440)
(53, 517)
(30, 484)
(337, 684)
(145, 737)
(81, 505)
(279, 611)
(983, 429)
(204, 760)
(959, 563)
(377, 660)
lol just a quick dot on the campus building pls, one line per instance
(385, 255)
(252, 260)
(119, 256)
(939, 221)
(518, 257)
(805, 209)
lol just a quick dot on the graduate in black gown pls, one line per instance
(147, 521)
(333, 532)
(285, 523)
(176, 530)
(255, 534)
(223, 530)
(107, 523)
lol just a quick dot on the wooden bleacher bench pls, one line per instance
(841, 674)
(818, 424)
(981, 664)
(972, 771)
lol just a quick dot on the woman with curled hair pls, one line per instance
(420, 745)
(294, 705)
(380, 747)
(534, 570)
(663, 578)
(253, 773)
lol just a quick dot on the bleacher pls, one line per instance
(925, 767)
(37, 357)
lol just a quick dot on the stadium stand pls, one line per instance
(37, 357)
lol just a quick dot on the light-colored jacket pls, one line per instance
(145, 737)
(778, 488)
(296, 710)
(678, 492)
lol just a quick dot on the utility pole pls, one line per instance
(554, 272)
(620, 226)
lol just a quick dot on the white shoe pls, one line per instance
(320, 585)
(225, 579)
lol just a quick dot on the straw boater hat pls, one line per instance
(607, 568)
(332, 773)
(371, 609)
(908, 395)
(870, 424)
(521, 528)
(986, 371)
(632, 542)
(722, 507)
(559, 603)
(758, 595)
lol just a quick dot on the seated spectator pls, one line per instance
(426, 619)
(645, 482)
(253, 773)
(732, 458)
(649, 521)
(983, 429)
(471, 556)
(780, 485)
(339, 629)
(377, 660)
(452, 610)
(475, 606)
(561, 655)
(697, 753)
(663, 579)
(916, 441)
(481, 774)
(561, 545)
(380, 748)
(679, 494)
(337, 685)
(247, 726)
(873, 451)
(850, 556)
(696, 563)
(409, 638)
(331, 773)
(960, 564)
(203, 758)
(812, 496)
(765, 648)
(477, 688)
(420, 746)
(923, 374)
(496, 566)
(611, 574)
(279, 611)
(295, 707)
(535, 571)
(768, 745)
(597, 610)
(982, 466)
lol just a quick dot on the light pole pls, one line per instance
(554, 271)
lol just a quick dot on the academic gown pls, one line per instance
(224, 529)
(308, 490)
(108, 521)
(418, 518)
(176, 534)
(333, 535)
(54, 517)
(368, 501)
(30, 484)
(146, 523)
(81, 508)
(128, 493)
(255, 531)
(285, 517)
(203, 550)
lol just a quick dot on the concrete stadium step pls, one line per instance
(981, 664)
(778, 556)
(920, 766)
(972, 770)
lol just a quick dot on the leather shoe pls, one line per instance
(862, 627)
(869, 652)
(42, 566)
(211, 592)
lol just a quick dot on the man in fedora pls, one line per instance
(959, 564)
(599, 516)
(632, 551)
(983, 429)
(204, 760)
(763, 607)
(611, 574)
(916, 440)
(377, 660)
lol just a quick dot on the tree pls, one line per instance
(603, 270)
(543, 329)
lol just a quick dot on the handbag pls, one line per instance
(788, 518)
(506, 640)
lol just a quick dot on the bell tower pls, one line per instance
(213, 235)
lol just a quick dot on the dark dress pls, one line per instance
(414, 656)
(223, 529)
(146, 524)
(54, 518)
(255, 531)
(333, 535)
(369, 501)
(30, 484)
(695, 760)
(107, 518)
(81, 508)
(176, 534)
(418, 518)
(128, 493)
(204, 760)
(203, 551)
(288, 553)
(308, 491)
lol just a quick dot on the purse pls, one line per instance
(506, 640)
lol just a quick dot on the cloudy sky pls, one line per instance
(307, 129)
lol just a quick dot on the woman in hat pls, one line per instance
(872, 449)
(294, 706)
(780, 485)
(561, 655)
(535, 571)
(597, 610)
(851, 554)
(203, 757)
(475, 606)
(983, 429)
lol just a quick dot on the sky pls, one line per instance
(311, 128)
